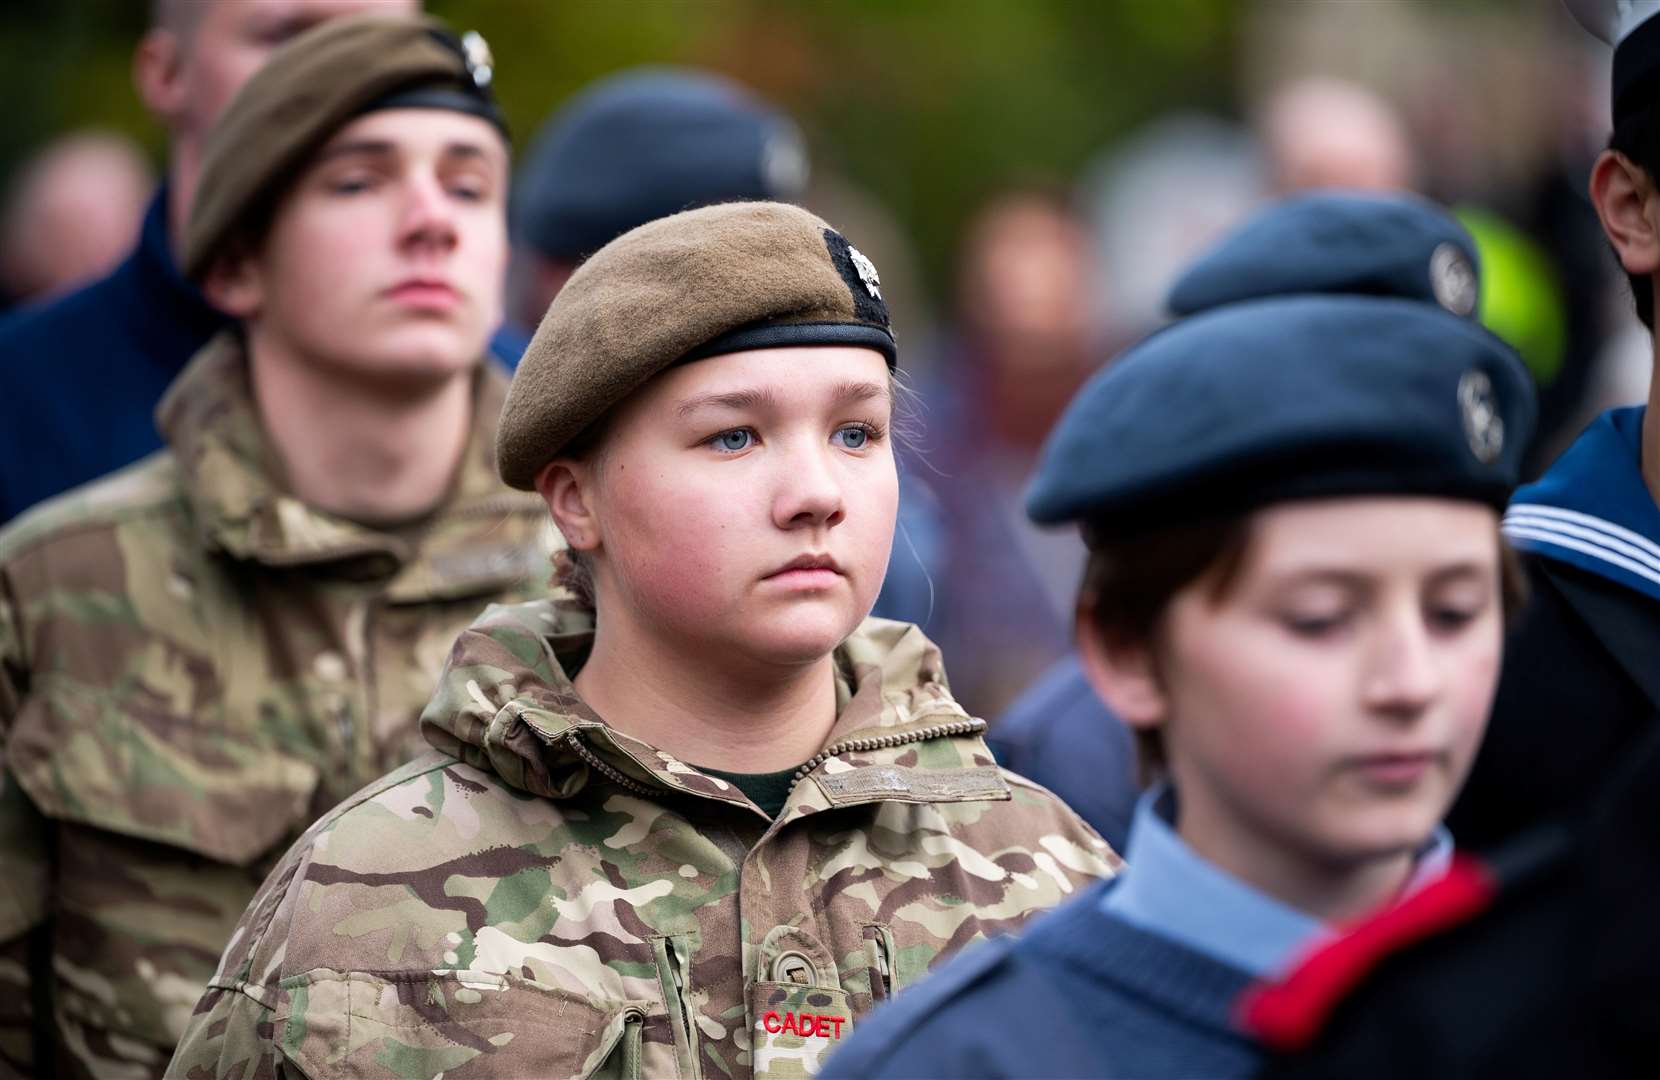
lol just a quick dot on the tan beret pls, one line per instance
(306, 91)
(726, 278)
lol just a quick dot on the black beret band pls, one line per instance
(452, 97)
(783, 335)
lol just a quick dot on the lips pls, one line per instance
(807, 565)
(1395, 769)
(424, 292)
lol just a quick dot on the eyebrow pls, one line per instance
(466, 151)
(1334, 575)
(364, 147)
(739, 400)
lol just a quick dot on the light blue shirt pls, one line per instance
(1168, 889)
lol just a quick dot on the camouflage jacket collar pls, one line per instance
(232, 481)
(505, 703)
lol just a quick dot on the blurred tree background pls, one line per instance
(925, 105)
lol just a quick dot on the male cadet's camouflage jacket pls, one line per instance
(193, 667)
(565, 900)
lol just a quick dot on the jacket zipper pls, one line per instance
(966, 726)
(879, 944)
(675, 979)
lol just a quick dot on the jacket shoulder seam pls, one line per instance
(97, 505)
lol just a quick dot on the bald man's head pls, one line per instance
(1326, 133)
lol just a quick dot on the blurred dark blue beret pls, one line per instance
(1327, 350)
(1337, 242)
(644, 144)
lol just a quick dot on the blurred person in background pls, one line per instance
(1327, 133)
(1058, 730)
(648, 142)
(1024, 340)
(633, 147)
(117, 343)
(71, 214)
(204, 651)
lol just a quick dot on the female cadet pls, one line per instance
(701, 838)
(1295, 597)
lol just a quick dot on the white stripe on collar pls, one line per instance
(1591, 536)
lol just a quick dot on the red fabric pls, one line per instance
(1287, 1015)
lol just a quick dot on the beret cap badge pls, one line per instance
(481, 65)
(1483, 426)
(1453, 279)
(866, 270)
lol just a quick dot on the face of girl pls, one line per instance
(1323, 711)
(743, 505)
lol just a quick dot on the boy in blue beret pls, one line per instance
(1296, 598)
(1549, 967)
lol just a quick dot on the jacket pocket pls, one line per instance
(351, 1025)
(91, 757)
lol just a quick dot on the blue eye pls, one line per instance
(733, 441)
(854, 437)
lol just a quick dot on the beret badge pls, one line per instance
(481, 66)
(1483, 426)
(866, 270)
(1452, 279)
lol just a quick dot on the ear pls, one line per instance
(1624, 195)
(234, 286)
(566, 485)
(158, 74)
(1125, 677)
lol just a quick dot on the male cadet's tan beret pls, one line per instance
(721, 279)
(308, 90)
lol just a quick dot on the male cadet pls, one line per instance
(201, 653)
(1543, 959)
(83, 373)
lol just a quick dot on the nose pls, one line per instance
(427, 222)
(1403, 677)
(809, 491)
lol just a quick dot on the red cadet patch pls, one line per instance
(807, 1025)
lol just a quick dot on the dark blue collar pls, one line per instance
(1592, 510)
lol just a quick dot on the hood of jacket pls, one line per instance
(506, 703)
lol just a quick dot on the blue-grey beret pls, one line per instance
(1337, 242)
(1327, 350)
(644, 144)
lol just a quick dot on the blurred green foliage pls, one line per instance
(927, 104)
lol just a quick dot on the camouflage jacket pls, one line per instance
(194, 666)
(549, 897)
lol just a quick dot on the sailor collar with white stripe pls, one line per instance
(1592, 509)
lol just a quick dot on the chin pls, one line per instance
(1386, 831)
(415, 364)
(798, 637)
